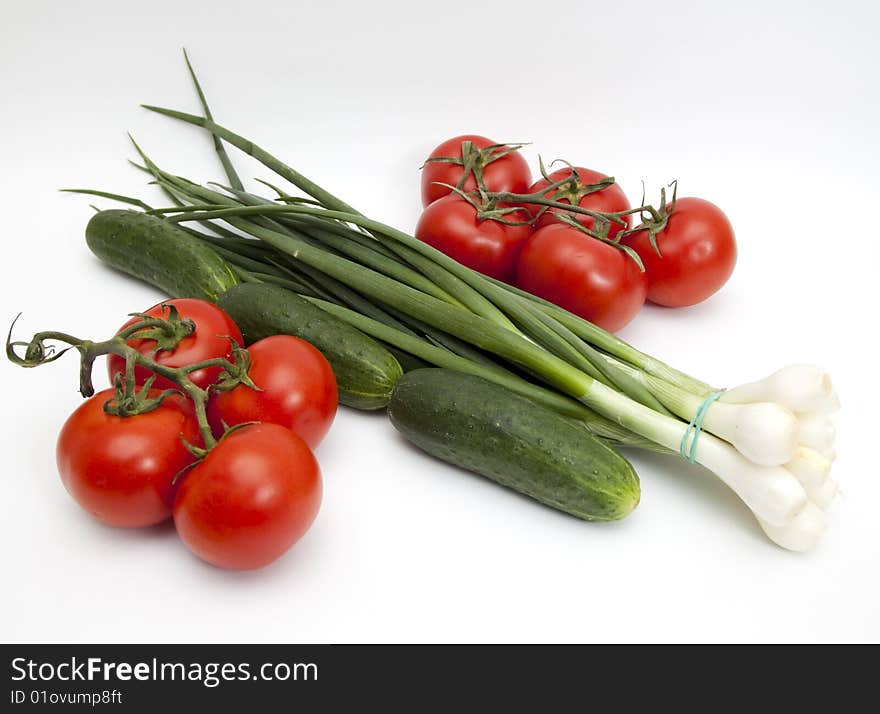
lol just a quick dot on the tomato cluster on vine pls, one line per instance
(220, 438)
(572, 237)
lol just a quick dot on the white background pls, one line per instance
(769, 109)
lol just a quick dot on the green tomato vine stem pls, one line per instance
(128, 402)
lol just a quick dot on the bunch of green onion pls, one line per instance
(770, 441)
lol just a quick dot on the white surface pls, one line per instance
(769, 109)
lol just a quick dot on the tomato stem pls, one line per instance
(540, 199)
(128, 401)
(474, 160)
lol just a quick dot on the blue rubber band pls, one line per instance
(689, 451)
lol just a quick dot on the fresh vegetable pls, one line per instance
(469, 161)
(188, 330)
(121, 469)
(488, 429)
(253, 496)
(588, 277)
(159, 253)
(458, 228)
(802, 388)
(366, 372)
(492, 325)
(290, 383)
(585, 188)
(613, 382)
(241, 501)
(694, 256)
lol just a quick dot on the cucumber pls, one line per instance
(159, 253)
(486, 428)
(366, 371)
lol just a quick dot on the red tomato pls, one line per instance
(255, 494)
(120, 469)
(298, 390)
(585, 276)
(450, 225)
(509, 173)
(609, 200)
(697, 254)
(210, 339)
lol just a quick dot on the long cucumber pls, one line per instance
(365, 370)
(159, 253)
(488, 429)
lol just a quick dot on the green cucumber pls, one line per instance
(159, 253)
(365, 370)
(486, 428)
